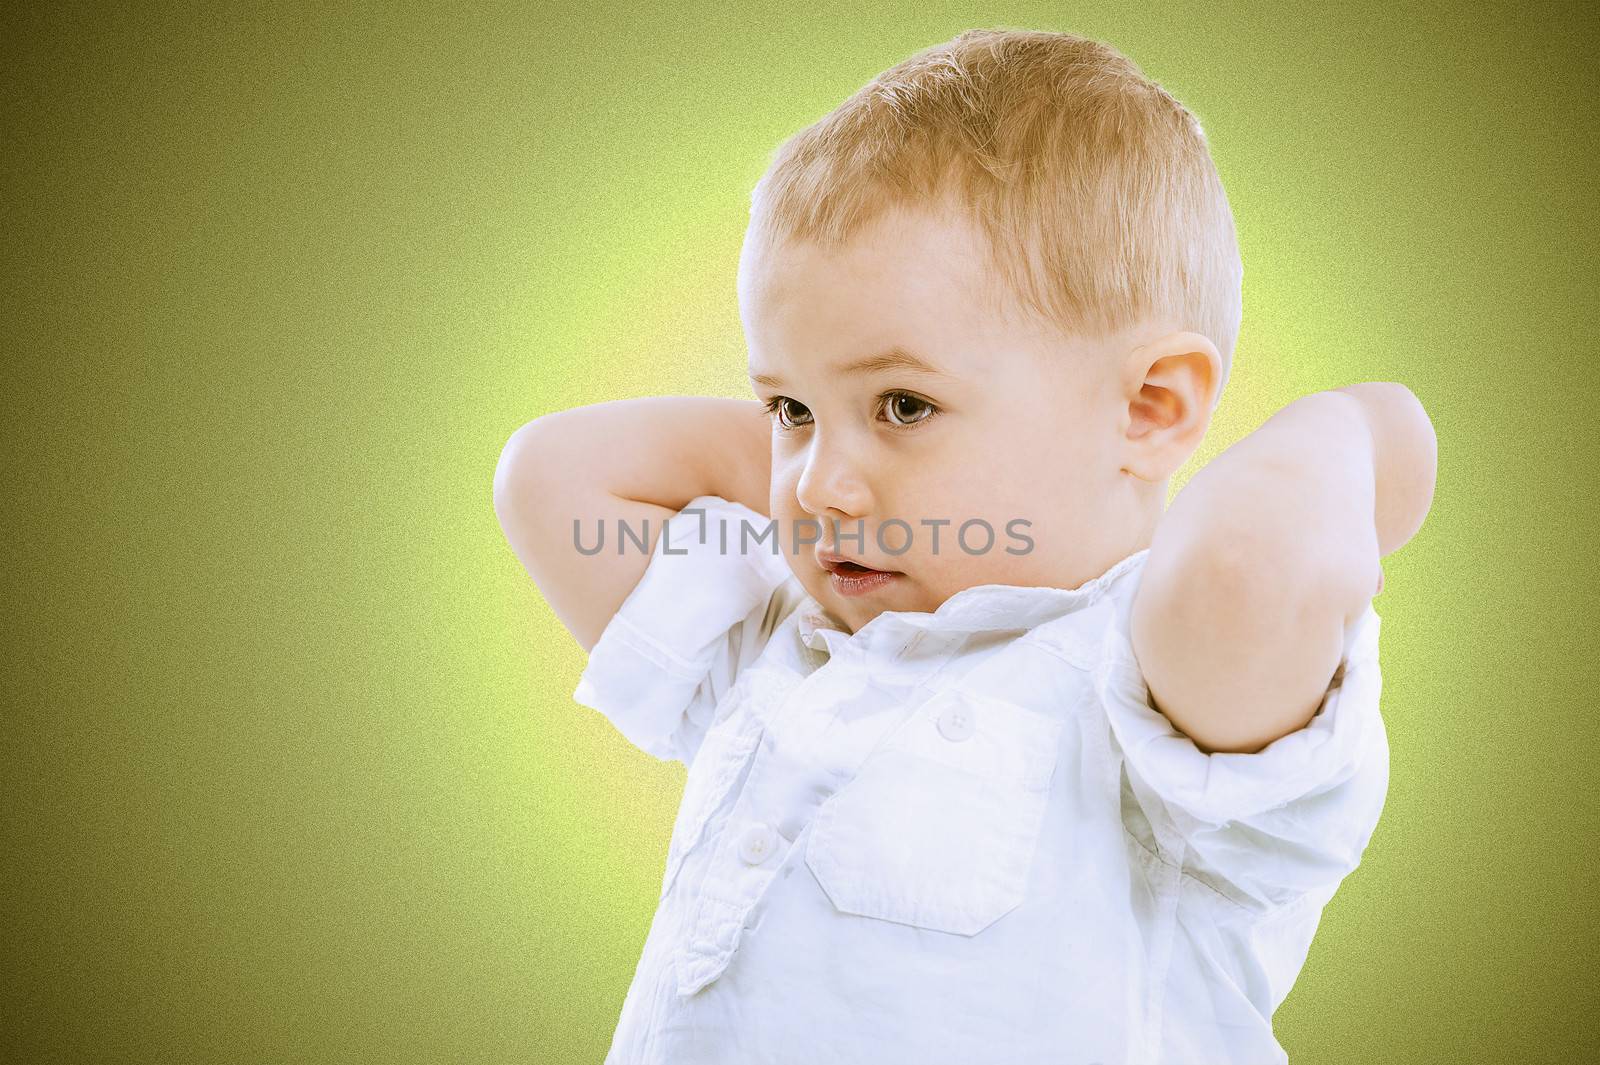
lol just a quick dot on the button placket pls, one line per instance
(742, 866)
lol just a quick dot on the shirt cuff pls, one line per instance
(675, 644)
(1273, 824)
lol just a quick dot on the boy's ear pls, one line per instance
(1171, 388)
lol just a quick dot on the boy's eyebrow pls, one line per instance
(895, 358)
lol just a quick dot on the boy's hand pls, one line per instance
(1268, 553)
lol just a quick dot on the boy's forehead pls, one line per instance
(870, 294)
(932, 331)
(900, 251)
(830, 326)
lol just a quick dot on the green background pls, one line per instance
(293, 772)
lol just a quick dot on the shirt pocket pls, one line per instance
(939, 826)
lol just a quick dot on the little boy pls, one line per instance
(990, 758)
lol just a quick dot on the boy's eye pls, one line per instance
(776, 406)
(905, 409)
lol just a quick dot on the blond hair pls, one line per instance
(1094, 187)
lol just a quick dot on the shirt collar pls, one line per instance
(981, 608)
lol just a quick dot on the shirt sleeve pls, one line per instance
(1263, 828)
(701, 613)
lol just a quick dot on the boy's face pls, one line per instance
(1012, 425)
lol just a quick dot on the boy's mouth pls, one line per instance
(842, 565)
(850, 578)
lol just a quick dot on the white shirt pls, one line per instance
(964, 837)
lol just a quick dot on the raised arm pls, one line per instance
(1269, 552)
(628, 460)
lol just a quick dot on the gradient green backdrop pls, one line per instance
(293, 773)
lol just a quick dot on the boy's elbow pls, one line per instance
(1407, 452)
(1413, 469)
(518, 462)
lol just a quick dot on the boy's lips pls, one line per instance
(850, 578)
(845, 565)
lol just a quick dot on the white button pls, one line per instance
(756, 843)
(955, 722)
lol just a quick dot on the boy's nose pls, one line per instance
(832, 487)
